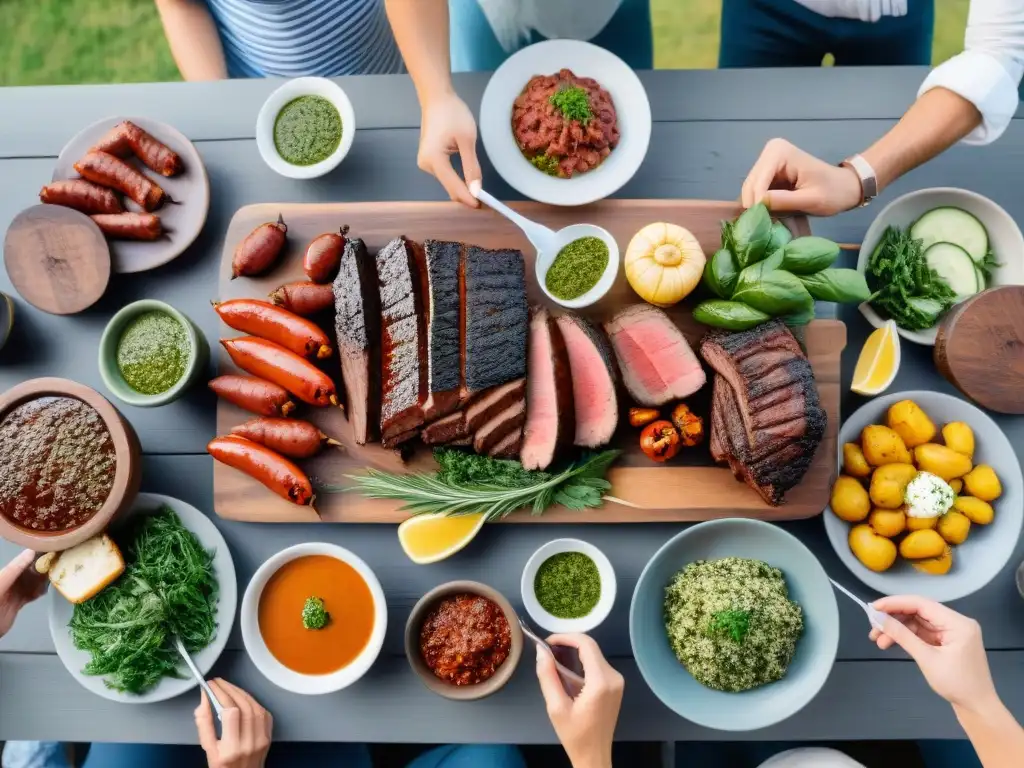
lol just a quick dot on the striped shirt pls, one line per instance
(291, 38)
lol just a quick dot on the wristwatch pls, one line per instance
(866, 174)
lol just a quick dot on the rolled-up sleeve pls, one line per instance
(989, 70)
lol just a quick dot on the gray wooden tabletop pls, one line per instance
(708, 129)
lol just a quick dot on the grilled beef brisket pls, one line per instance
(509, 446)
(444, 358)
(495, 430)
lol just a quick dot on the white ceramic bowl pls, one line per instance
(293, 89)
(544, 261)
(604, 603)
(274, 670)
(585, 60)
(1004, 235)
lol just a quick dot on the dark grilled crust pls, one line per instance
(489, 404)
(446, 429)
(444, 364)
(496, 317)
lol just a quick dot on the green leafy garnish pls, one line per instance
(546, 163)
(987, 266)
(734, 623)
(905, 287)
(314, 614)
(574, 104)
(468, 484)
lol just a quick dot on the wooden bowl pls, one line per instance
(127, 475)
(412, 642)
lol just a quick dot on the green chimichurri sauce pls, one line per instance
(577, 268)
(153, 353)
(307, 130)
(568, 585)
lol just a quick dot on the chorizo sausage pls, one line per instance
(259, 250)
(263, 319)
(260, 463)
(290, 437)
(81, 195)
(130, 225)
(109, 171)
(126, 138)
(304, 298)
(254, 395)
(323, 256)
(274, 363)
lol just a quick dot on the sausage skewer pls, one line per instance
(254, 395)
(81, 195)
(109, 171)
(130, 225)
(274, 363)
(263, 319)
(276, 472)
(295, 438)
(126, 138)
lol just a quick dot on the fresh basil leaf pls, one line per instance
(844, 286)
(780, 235)
(773, 291)
(807, 255)
(751, 233)
(731, 315)
(721, 273)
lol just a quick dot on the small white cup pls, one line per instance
(563, 237)
(604, 603)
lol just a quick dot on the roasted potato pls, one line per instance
(959, 437)
(850, 501)
(921, 544)
(921, 523)
(912, 424)
(889, 483)
(957, 484)
(977, 510)
(882, 445)
(982, 483)
(876, 552)
(954, 527)
(888, 522)
(854, 462)
(936, 566)
(941, 461)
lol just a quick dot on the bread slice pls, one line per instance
(84, 570)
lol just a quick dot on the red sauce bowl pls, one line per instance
(127, 474)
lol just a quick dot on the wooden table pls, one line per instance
(708, 129)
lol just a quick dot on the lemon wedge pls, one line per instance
(878, 362)
(430, 538)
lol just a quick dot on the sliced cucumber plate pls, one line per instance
(956, 268)
(952, 225)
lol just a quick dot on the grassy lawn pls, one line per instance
(108, 41)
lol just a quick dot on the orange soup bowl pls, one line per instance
(309, 660)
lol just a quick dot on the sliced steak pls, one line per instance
(594, 375)
(550, 414)
(444, 362)
(654, 357)
(509, 446)
(357, 322)
(489, 404)
(395, 441)
(492, 433)
(446, 429)
(462, 442)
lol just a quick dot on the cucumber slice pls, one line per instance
(952, 225)
(955, 266)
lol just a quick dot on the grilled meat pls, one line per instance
(550, 414)
(594, 375)
(444, 363)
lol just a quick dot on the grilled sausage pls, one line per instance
(323, 256)
(254, 395)
(281, 366)
(126, 138)
(259, 250)
(260, 463)
(130, 225)
(289, 437)
(81, 195)
(263, 319)
(304, 298)
(110, 171)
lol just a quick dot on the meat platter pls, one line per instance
(694, 488)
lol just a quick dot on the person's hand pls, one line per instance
(20, 584)
(788, 179)
(246, 728)
(947, 646)
(585, 725)
(448, 127)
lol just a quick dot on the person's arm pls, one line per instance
(193, 39)
(447, 125)
(20, 584)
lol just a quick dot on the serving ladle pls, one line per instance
(566, 659)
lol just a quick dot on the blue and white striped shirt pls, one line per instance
(291, 38)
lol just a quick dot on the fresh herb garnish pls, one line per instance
(314, 613)
(987, 266)
(468, 484)
(546, 163)
(905, 287)
(574, 104)
(734, 623)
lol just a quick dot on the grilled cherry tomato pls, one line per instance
(660, 440)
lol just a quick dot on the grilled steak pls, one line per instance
(492, 433)
(444, 364)
(489, 404)
(654, 357)
(592, 364)
(550, 414)
(509, 446)
(401, 273)
(357, 327)
(446, 429)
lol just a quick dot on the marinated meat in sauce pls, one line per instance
(57, 463)
(540, 129)
(464, 639)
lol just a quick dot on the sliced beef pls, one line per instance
(489, 404)
(509, 446)
(594, 375)
(550, 415)
(398, 440)
(492, 433)
(402, 278)
(446, 429)
(444, 362)
(654, 357)
(357, 321)
(462, 442)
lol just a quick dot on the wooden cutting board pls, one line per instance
(691, 487)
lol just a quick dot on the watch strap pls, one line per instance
(866, 174)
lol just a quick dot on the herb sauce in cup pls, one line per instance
(577, 268)
(153, 353)
(568, 585)
(307, 130)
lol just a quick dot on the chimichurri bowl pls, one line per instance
(150, 353)
(286, 104)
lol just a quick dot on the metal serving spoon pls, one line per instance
(572, 681)
(217, 708)
(875, 616)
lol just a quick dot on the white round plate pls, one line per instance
(585, 60)
(1004, 236)
(988, 547)
(604, 602)
(183, 219)
(224, 568)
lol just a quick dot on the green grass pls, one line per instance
(115, 41)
